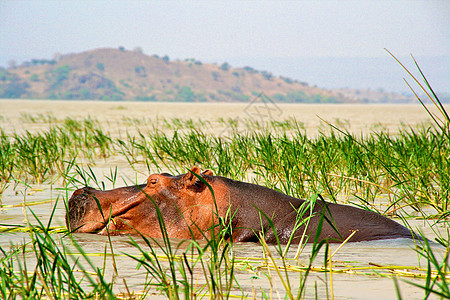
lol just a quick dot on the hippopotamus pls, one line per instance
(192, 205)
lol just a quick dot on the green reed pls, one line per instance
(36, 157)
(46, 267)
(410, 168)
(7, 157)
(213, 257)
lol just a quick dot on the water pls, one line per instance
(357, 282)
(355, 118)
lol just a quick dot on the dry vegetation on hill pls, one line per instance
(119, 74)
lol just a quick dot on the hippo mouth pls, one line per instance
(81, 202)
(77, 209)
(84, 213)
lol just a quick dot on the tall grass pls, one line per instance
(213, 258)
(36, 157)
(44, 268)
(47, 267)
(439, 285)
(409, 171)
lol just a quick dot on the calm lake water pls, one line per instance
(360, 284)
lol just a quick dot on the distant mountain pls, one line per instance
(119, 74)
(363, 73)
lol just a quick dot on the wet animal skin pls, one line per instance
(189, 210)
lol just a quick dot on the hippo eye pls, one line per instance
(153, 180)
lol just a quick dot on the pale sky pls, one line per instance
(219, 31)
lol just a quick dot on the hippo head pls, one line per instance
(182, 200)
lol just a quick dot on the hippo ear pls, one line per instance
(190, 178)
(208, 172)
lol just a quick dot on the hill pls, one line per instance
(119, 74)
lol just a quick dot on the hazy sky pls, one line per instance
(219, 31)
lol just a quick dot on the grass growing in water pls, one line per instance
(47, 267)
(410, 169)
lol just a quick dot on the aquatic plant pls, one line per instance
(410, 169)
(54, 265)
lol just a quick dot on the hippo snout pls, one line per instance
(78, 204)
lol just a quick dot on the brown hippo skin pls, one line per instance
(189, 211)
